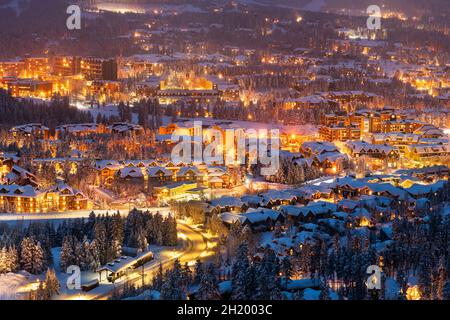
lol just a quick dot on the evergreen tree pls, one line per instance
(32, 256)
(51, 284)
(240, 278)
(208, 288)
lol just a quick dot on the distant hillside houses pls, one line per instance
(37, 130)
(343, 203)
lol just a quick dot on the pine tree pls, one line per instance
(101, 240)
(94, 256)
(446, 291)
(52, 285)
(12, 262)
(268, 277)
(117, 235)
(3, 260)
(208, 288)
(198, 272)
(32, 256)
(424, 278)
(324, 293)
(174, 288)
(70, 255)
(441, 280)
(158, 279)
(239, 276)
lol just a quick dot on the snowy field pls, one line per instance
(15, 286)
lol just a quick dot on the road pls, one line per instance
(197, 248)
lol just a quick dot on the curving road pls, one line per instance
(196, 248)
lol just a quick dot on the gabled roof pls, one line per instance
(227, 202)
(156, 171)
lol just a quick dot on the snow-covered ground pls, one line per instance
(13, 4)
(60, 216)
(314, 5)
(15, 286)
(147, 8)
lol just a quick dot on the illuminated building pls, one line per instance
(35, 130)
(99, 69)
(407, 126)
(30, 88)
(178, 86)
(339, 132)
(66, 65)
(178, 191)
(11, 68)
(28, 199)
(90, 68)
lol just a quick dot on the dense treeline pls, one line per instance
(338, 264)
(87, 243)
(16, 112)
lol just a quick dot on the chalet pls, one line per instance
(362, 218)
(428, 152)
(311, 192)
(330, 162)
(131, 173)
(159, 174)
(107, 170)
(36, 130)
(261, 219)
(310, 212)
(347, 205)
(396, 139)
(20, 176)
(429, 191)
(317, 147)
(228, 204)
(332, 226)
(427, 173)
(69, 198)
(347, 188)
(125, 128)
(218, 177)
(29, 199)
(252, 201)
(15, 198)
(189, 174)
(80, 129)
(380, 151)
(274, 198)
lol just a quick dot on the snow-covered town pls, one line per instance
(224, 150)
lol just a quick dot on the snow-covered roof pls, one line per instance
(131, 172)
(227, 202)
(19, 191)
(156, 171)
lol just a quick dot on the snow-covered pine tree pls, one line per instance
(100, 237)
(32, 256)
(117, 235)
(68, 254)
(239, 276)
(3, 260)
(208, 288)
(52, 285)
(198, 271)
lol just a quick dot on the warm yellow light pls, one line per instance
(413, 293)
